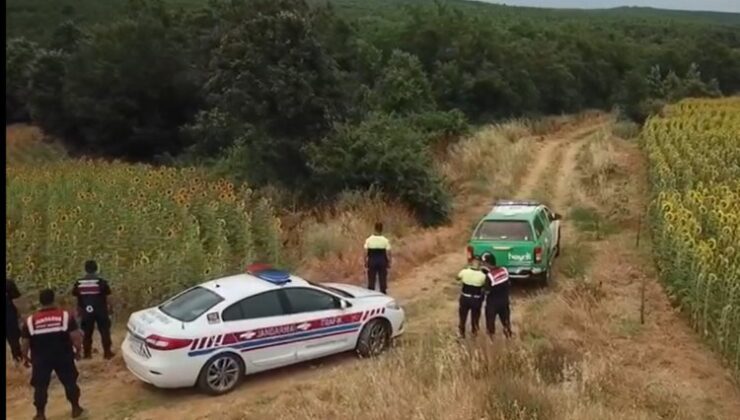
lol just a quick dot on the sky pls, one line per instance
(714, 5)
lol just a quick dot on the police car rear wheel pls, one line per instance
(374, 339)
(221, 374)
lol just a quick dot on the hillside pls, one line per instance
(37, 18)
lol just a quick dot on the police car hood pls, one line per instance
(356, 291)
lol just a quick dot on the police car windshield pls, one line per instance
(190, 305)
(508, 230)
(331, 289)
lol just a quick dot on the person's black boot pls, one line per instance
(39, 416)
(108, 355)
(77, 411)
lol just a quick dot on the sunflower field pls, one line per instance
(153, 231)
(694, 153)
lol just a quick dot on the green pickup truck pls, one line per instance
(524, 236)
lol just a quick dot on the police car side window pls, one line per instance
(310, 300)
(259, 306)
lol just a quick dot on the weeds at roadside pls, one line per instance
(513, 398)
(626, 129)
(589, 221)
(583, 288)
(628, 328)
(575, 262)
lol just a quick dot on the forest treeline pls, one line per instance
(318, 101)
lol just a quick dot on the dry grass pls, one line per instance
(626, 129)
(28, 145)
(605, 176)
(490, 160)
(433, 376)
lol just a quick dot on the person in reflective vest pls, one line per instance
(51, 343)
(12, 332)
(471, 296)
(92, 292)
(377, 258)
(497, 296)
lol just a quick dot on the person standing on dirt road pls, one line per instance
(471, 296)
(12, 332)
(92, 292)
(377, 258)
(497, 296)
(51, 343)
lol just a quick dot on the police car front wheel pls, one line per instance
(221, 374)
(374, 338)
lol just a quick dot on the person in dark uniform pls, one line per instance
(471, 297)
(92, 292)
(51, 343)
(12, 332)
(377, 259)
(497, 296)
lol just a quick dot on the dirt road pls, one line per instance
(663, 354)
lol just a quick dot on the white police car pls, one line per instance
(213, 334)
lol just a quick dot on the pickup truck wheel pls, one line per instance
(374, 338)
(546, 278)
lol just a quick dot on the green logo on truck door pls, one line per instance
(520, 257)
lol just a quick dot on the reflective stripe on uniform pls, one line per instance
(46, 322)
(472, 277)
(88, 287)
(498, 276)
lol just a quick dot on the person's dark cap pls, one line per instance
(378, 227)
(91, 266)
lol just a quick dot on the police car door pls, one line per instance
(326, 327)
(259, 324)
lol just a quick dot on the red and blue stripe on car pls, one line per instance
(261, 338)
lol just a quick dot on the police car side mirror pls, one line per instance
(344, 304)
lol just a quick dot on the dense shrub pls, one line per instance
(385, 152)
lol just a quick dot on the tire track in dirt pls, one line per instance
(565, 182)
(541, 163)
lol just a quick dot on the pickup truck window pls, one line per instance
(504, 230)
(538, 226)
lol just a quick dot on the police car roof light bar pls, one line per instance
(269, 274)
(257, 267)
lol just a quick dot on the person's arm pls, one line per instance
(388, 252)
(12, 289)
(25, 344)
(107, 293)
(75, 336)
(366, 257)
